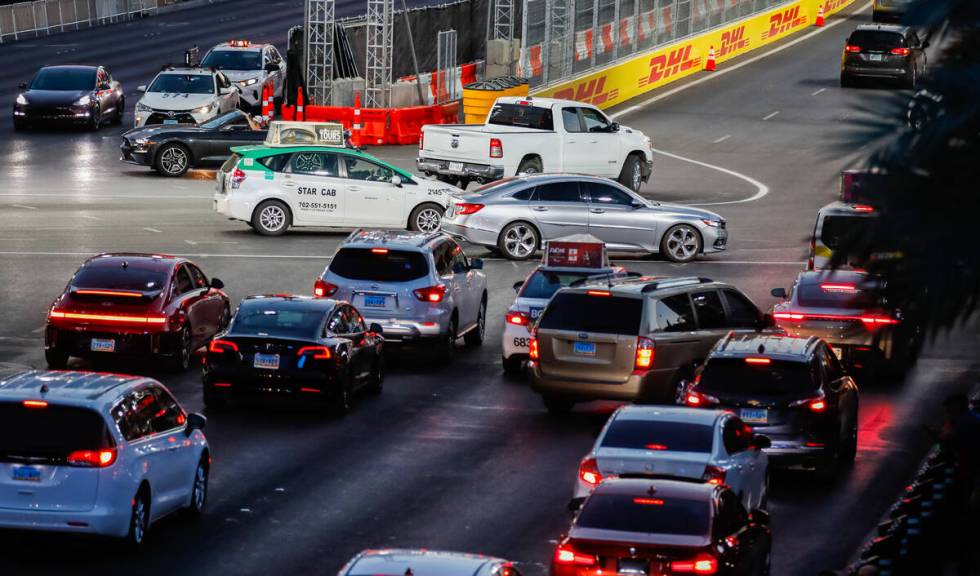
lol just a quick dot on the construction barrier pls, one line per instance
(439, 90)
(380, 126)
(644, 72)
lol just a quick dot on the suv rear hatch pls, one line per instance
(381, 282)
(838, 312)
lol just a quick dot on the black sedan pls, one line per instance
(171, 149)
(81, 95)
(315, 351)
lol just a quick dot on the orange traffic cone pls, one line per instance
(266, 116)
(355, 136)
(820, 19)
(710, 65)
(300, 109)
(272, 101)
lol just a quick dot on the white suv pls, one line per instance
(97, 453)
(249, 66)
(185, 96)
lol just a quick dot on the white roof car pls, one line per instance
(185, 96)
(249, 66)
(97, 453)
(426, 563)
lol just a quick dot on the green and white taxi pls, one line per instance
(297, 179)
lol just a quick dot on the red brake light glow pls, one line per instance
(901, 51)
(827, 287)
(108, 317)
(496, 148)
(92, 458)
(565, 554)
(322, 289)
(237, 177)
(713, 475)
(532, 349)
(465, 208)
(656, 447)
(696, 399)
(125, 293)
(645, 353)
(588, 471)
(221, 346)
(318, 352)
(788, 316)
(597, 292)
(35, 404)
(877, 320)
(648, 501)
(853, 49)
(310, 390)
(432, 294)
(818, 405)
(863, 208)
(518, 318)
(379, 250)
(701, 565)
(756, 360)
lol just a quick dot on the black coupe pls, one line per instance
(82, 95)
(171, 149)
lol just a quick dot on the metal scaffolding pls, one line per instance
(377, 69)
(447, 74)
(503, 20)
(319, 26)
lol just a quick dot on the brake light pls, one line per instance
(464, 208)
(237, 177)
(588, 471)
(317, 352)
(900, 51)
(758, 361)
(222, 346)
(379, 250)
(878, 320)
(126, 293)
(322, 288)
(421, 139)
(827, 287)
(108, 317)
(566, 554)
(92, 458)
(853, 49)
(863, 208)
(598, 292)
(648, 501)
(35, 404)
(704, 564)
(518, 318)
(432, 294)
(656, 447)
(645, 353)
(532, 348)
(817, 404)
(496, 148)
(792, 316)
(713, 475)
(696, 399)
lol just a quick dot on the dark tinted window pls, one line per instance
(233, 60)
(232, 161)
(594, 120)
(585, 313)
(731, 514)
(544, 284)
(524, 116)
(876, 39)
(169, 415)
(64, 79)
(51, 433)
(741, 312)
(647, 435)
(524, 194)
(606, 194)
(183, 84)
(659, 516)
(570, 119)
(832, 294)
(197, 276)
(710, 312)
(837, 230)
(557, 192)
(675, 314)
(734, 377)
(119, 278)
(267, 319)
(137, 415)
(443, 258)
(275, 163)
(392, 266)
(182, 281)
(736, 435)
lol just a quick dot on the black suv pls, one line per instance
(883, 52)
(792, 390)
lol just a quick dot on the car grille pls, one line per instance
(181, 117)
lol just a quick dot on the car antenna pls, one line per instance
(125, 264)
(651, 490)
(408, 572)
(762, 348)
(44, 389)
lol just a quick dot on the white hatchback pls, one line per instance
(97, 453)
(712, 446)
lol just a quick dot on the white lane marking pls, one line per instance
(735, 67)
(191, 242)
(817, 92)
(768, 116)
(185, 255)
(87, 217)
(25, 207)
(36, 330)
(761, 189)
(83, 196)
(148, 229)
(722, 139)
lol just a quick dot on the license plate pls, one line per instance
(267, 361)
(754, 416)
(875, 57)
(535, 312)
(584, 348)
(633, 566)
(839, 352)
(456, 166)
(102, 345)
(169, 121)
(27, 474)
(374, 301)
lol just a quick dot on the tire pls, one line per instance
(172, 160)
(426, 218)
(120, 111)
(530, 166)
(199, 489)
(341, 402)
(377, 383)
(912, 80)
(181, 359)
(680, 390)
(827, 468)
(557, 405)
(513, 366)
(681, 243)
(225, 318)
(518, 241)
(56, 358)
(271, 218)
(20, 126)
(446, 348)
(475, 336)
(632, 173)
(139, 519)
(845, 81)
(849, 444)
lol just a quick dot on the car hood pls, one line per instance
(157, 129)
(680, 210)
(175, 100)
(54, 96)
(238, 75)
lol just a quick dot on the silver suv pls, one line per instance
(420, 287)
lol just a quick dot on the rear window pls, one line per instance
(544, 284)
(585, 313)
(736, 377)
(50, 433)
(521, 116)
(263, 321)
(837, 230)
(378, 265)
(119, 278)
(231, 162)
(876, 39)
(667, 436)
(646, 514)
(834, 295)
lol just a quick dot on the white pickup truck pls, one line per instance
(527, 135)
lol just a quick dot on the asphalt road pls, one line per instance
(457, 457)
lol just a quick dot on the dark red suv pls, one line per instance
(132, 305)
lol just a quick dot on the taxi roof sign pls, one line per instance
(282, 133)
(576, 251)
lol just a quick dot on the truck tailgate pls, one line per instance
(472, 141)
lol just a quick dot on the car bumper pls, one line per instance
(472, 235)
(464, 169)
(875, 72)
(52, 115)
(251, 95)
(227, 205)
(514, 341)
(78, 342)
(286, 384)
(397, 331)
(715, 239)
(138, 156)
(652, 385)
(100, 520)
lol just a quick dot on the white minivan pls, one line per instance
(97, 453)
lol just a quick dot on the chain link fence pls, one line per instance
(562, 38)
(43, 17)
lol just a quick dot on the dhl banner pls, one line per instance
(619, 82)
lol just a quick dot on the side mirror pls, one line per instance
(614, 127)
(761, 442)
(195, 421)
(517, 285)
(217, 283)
(637, 204)
(141, 88)
(271, 67)
(396, 180)
(760, 517)
(22, 86)
(575, 503)
(476, 263)
(376, 328)
(778, 293)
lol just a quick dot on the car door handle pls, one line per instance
(354, 188)
(370, 197)
(597, 211)
(571, 141)
(539, 209)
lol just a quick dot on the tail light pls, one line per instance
(566, 554)
(645, 352)
(696, 399)
(324, 289)
(92, 458)
(588, 471)
(432, 294)
(496, 148)
(315, 352)
(816, 404)
(869, 320)
(875, 321)
(704, 564)
(532, 348)
(852, 49)
(114, 318)
(900, 51)
(222, 346)
(421, 139)
(518, 318)
(35, 404)
(464, 208)
(237, 177)
(713, 475)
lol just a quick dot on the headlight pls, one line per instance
(205, 109)
(142, 141)
(248, 82)
(83, 101)
(140, 107)
(21, 100)
(712, 223)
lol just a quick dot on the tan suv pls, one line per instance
(635, 339)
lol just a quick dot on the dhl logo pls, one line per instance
(667, 65)
(733, 40)
(590, 91)
(784, 21)
(832, 5)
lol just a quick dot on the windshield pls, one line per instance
(831, 294)
(221, 120)
(543, 284)
(734, 377)
(183, 84)
(119, 278)
(653, 435)
(265, 320)
(70, 79)
(233, 60)
(649, 515)
(521, 116)
(380, 265)
(600, 314)
(50, 433)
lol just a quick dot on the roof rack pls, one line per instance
(675, 283)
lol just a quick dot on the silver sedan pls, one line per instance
(516, 215)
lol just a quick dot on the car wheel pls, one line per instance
(139, 519)
(849, 443)
(912, 81)
(225, 318)
(199, 489)
(557, 405)
(827, 468)
(173, 160)
(518, 241)
(120, 111)
(377, 383)
(475, 336)
(181, 359)
(845, 81)
(56, 358)
(425, 218)
(767, 564)
(446, 348)
(682, 243)
(513, 366)
(95, 121)
(632, 174)
(530, 166)
(680, 390)
(342, 398)
(271, 218)
(764, 500)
